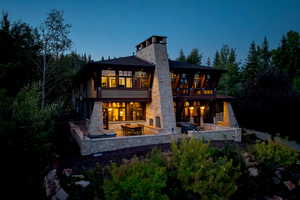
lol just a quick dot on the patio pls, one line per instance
(110, 141)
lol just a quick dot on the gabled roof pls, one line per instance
(187, 66)
(126, 61)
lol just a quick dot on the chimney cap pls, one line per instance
(150, 40)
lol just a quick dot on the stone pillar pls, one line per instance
(162, 98)
(229, 117)
(96, 120)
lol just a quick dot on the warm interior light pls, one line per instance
(191, 108)
(202, 107)
(110, 109)
(121, 113)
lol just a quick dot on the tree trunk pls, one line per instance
(44, 80)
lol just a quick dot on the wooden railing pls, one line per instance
(193, 91)
(121, 93)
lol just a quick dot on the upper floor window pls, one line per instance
(184, 81)
(199, 80)
(108, 79)
(125, 79)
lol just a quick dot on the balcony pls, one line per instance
(194, 92)
(132, 94)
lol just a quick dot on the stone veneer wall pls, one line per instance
(162, 100)
(229, 119)
(221, 134)
(95, 123)
(90, 146)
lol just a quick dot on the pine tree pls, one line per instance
(181, 57)
(208, 62)
(252, 66)
(217, 61)
(194, 57)
(230, 81)
(265, 55)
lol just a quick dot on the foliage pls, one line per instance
(181, 57)
(229, 83)
(194, 57)
(287, 56)
(136, 179)
(54, 38)
(202, 175)
(274, 155)
(18, 50)
(27, 111)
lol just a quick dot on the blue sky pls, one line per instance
(114, 27)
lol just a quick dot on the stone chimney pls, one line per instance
(161, 109)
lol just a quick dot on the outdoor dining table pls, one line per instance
(132, 129)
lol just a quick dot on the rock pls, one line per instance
(51, 183)
(276, 180)
(278, 173)
(78, 176)
(275, 197)
(60, 195)
(249, 163)
(67, 172)
(253, 171)
(51, 176)
(82, 183)
(97, 154)
(290, 185)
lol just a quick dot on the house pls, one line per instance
(149, 94)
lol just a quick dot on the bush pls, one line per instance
(136, 179)
(199, 173)
(273, 154)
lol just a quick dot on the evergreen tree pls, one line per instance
(194, 57)
(230, 81)
(252, 66)
(217, 61)
(287, 57)
(265, 55)
(208, 62)
(181, 57)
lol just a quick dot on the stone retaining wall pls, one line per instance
(90, 146)
(234, 134)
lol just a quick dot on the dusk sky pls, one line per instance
(113, 28)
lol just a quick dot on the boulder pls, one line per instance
(290, 185)
(60, 195)
(82, 183)
(253, 171)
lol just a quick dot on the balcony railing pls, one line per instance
(193, 91)
(124, 93)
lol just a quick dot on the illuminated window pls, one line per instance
(125, 111)
(124, 79)
(108, 79)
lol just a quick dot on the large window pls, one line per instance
(141, 79)
(125, 111)
(124, 79)
(108, 79)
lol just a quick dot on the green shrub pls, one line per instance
(136, 179)
(273, 154)
(202, 175)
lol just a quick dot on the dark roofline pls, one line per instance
(126, 61)
(177, 65)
